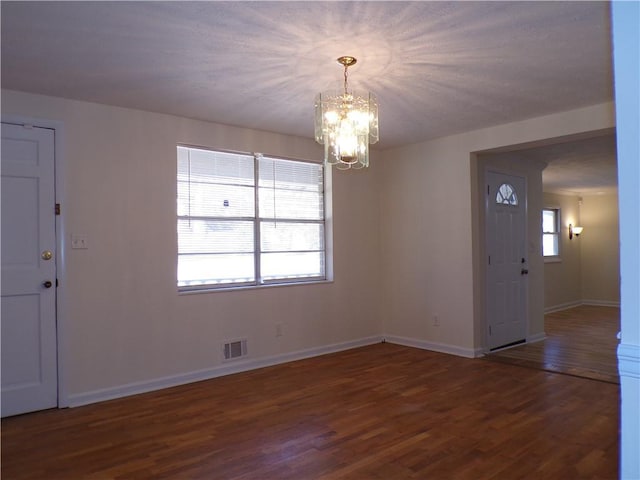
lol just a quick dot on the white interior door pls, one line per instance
(507, 263)
(28, 288)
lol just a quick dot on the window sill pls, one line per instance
(250, 287)
(554, 259)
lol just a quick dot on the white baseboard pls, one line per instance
(578, 303)
(537, 337)
(629, 360)
(435, 347)
(601, 303)
(76, 400)
(562, 306)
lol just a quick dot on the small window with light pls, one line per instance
(551, 232)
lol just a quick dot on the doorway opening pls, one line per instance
(574, 295)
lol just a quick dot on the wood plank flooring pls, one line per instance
(379, 412)
(580, 341)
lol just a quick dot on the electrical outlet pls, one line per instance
(278, 329)
(436, 321)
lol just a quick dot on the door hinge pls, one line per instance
(57, 209)
(489, 259)
(488, 189)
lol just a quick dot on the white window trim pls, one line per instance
(208, 288)
(554, 258)
(258, 283)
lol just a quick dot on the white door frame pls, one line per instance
(61, 300)
(484, 202)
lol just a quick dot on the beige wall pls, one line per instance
(600, 249)
(589, 271)
(406, 247)
(430, 203)
(123, 322)
(563, 279)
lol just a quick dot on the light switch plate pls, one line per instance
(79, 242)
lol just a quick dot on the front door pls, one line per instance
(507, 262)
(28, 288)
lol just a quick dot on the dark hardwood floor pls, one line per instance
(580, 341)
(378, 412)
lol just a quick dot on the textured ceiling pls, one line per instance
(437, 68)
(585, 167)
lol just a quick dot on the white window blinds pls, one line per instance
(232, 233)
(291, 205)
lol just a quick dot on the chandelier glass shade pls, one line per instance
(346, 123)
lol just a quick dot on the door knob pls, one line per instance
(47, 284)
(47, 255)
(524, 271)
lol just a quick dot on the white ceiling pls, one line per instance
(581, 167)
(437, 68)
(586, 167)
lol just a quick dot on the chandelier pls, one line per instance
(346, 122)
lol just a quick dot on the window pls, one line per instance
(506, 195)
(248, 219)
(550, 232)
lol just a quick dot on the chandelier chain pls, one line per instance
(345, 78)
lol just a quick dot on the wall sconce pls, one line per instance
(574, 231)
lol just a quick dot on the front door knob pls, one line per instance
(47, 255)
(47, 284)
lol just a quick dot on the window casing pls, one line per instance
(551, 232)
(248, 220)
